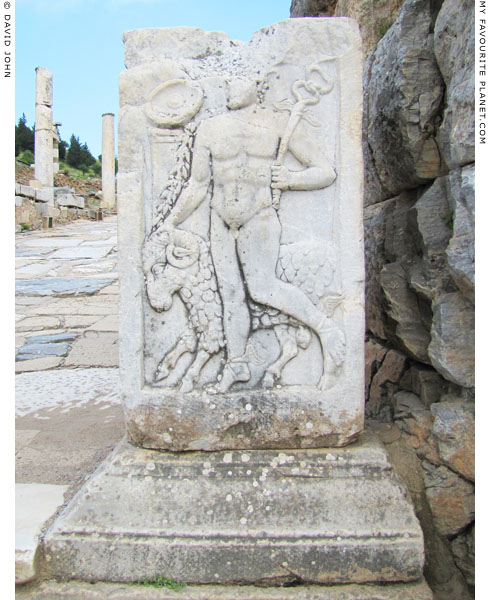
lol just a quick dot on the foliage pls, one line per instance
(82, 172)
(27, 157)
(96, 169)
(24, 136)
(62, 147)
(160, 582)
(78, 155)
(383, 27)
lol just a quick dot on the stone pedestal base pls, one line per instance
(324, 516)
(76, 590)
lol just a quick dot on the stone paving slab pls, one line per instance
(67, 419)
(95, 242)
(51, 286)
(77, 591)
(23, 437)
(81, 321)
(32, 252)
(101, 348)
(37, 364)
(49, 242)
(31, 350)
(92, 252)
(65, 388)
(108, 323)
(34, 504)
(35, 269)
(32, 323)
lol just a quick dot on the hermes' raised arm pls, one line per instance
(196, 189)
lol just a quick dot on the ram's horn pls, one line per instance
(183, 249)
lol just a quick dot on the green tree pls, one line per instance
(74, 152)
(27, 157)
(86, 157)
(24, 136)
(62, 147)
(96, 169)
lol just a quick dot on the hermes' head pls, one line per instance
(241, 92)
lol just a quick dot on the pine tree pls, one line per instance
(24, 136)
(62, 147)
(74, 152)
(86, 158)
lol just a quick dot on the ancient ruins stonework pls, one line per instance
(108, 166)
(44, 134)
(241, 248)
(242, 330)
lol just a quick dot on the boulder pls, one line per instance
(28, 191)
(427, 384)
(451, 499)
(405, 309)
(374, 354)
(454, 430)
(70, 200)
(374, 239)
(383, 384)
(463, 548)
(452, 345)
(44, 194)
(416, 422)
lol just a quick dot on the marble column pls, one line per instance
(108, 167)
(43, 133)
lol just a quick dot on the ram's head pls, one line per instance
(170, 258)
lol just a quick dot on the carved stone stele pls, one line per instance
(240, 237)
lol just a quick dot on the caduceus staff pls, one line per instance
(299, 111)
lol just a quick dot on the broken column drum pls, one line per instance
(240, 235)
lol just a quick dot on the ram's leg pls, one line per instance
(286, 336)
(193, 371)
(186, 343)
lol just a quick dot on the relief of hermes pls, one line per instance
(236, 153)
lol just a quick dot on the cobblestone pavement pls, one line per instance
(68, 414)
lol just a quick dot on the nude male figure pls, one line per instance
(235, 152)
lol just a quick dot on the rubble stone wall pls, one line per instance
(419, 248)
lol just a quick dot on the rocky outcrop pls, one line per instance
(420, 265)
(402, 106)
(312, 8)
(454, 43)
(375, 17)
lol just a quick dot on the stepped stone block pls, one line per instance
(325, 516)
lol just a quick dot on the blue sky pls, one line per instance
(79, 41)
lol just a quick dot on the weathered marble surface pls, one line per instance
(74, 590)
(108, 166)
(311, 516)
(241, 262)
(43, 133)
